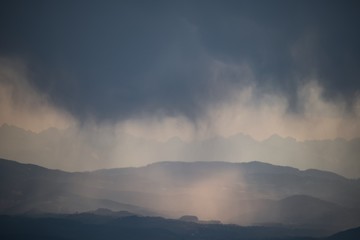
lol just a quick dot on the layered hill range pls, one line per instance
(252, 193)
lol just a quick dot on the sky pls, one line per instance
(187, 69)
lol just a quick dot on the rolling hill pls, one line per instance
(242, 193)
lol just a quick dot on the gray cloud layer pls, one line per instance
(118, 60)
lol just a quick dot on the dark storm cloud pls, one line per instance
(113, 60)
(287, 41)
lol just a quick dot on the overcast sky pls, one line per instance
(172, 68)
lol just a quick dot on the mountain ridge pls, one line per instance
(91, 149)
(242, 193)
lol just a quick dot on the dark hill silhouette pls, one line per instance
(306, 211)
(136, 228)
(350, 234)
(95, 227)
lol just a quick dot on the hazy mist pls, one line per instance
(122, 114)
(236, 129)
